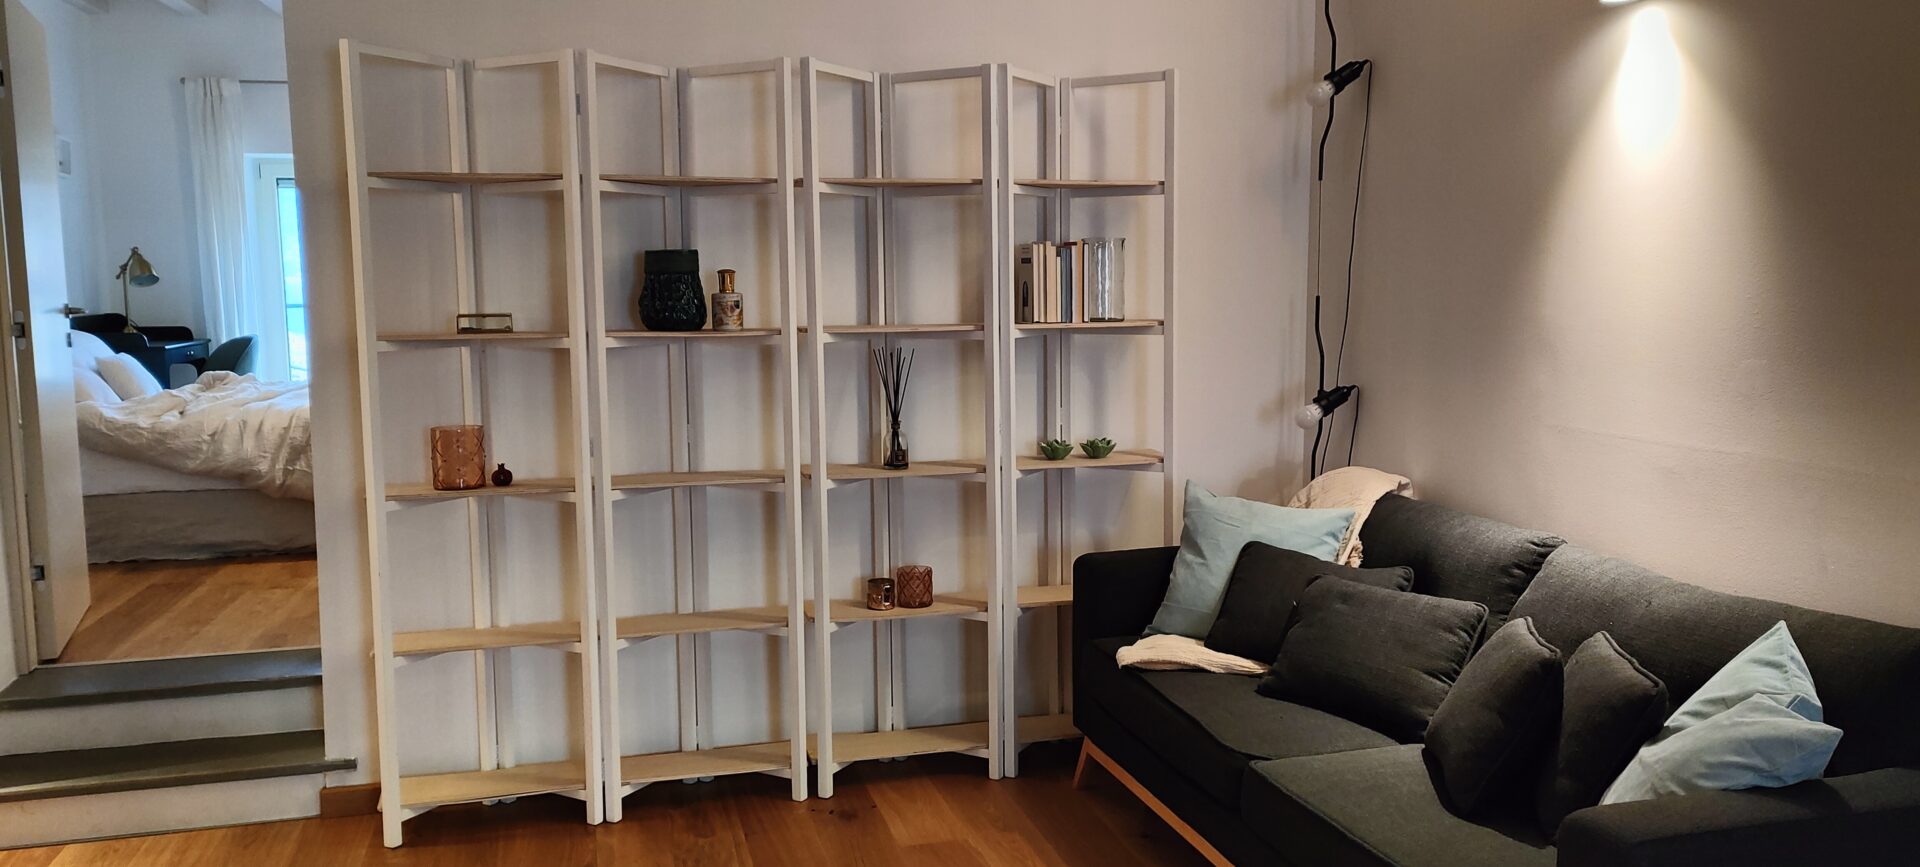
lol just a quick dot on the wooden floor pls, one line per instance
(160, 608)
(933, 810)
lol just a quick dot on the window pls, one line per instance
(273, 212)
(293, 283)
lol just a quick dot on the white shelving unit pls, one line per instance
(880, 187)
(691, 622)
(588, 152)
(466, 182)
(1057, 190)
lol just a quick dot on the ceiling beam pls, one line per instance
(186, 7)
(91, 7)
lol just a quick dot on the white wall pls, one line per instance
(117, 96)
(1643, 275)
(1243, 224)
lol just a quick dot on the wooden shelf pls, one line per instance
(641, 338)
(1123, 326)
(1048, 727)
(1077, 461)
(864, 746)
(900, 183)
(421, 340)
(431, 641)
(720, 761)
(853, 610)
(432, 790)
(966, 330)
(687, 180)
(697, 479)
(1032, 596)
(694, 622)
(1059, 184)
(416, 492)
(467, 178)
(915, 470)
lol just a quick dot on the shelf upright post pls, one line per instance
(817, 560)
(793, 493)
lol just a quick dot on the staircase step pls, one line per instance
(148, 679)
(33, 776)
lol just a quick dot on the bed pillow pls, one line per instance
(88, 349)
(1486, 737)
(1382, 658)
(1757, 723)
(1257, 607)
(88, 387)
(1216, 529)
(128, 377)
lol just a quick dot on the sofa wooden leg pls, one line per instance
(1091, 756)
(1087, 764)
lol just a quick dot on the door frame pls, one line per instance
(15, 555)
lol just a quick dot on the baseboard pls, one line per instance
(357, 800)
(1089, 752)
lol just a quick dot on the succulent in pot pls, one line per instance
(1097, 448)
(1056, 450)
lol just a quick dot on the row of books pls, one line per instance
(1050, 280)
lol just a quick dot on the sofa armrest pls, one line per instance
(1116, 593)
(1870, 818)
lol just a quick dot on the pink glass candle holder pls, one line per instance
(913, 586)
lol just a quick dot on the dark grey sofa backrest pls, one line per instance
(1453, 554)
(1867, 673)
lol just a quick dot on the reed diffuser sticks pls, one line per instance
(893, 365)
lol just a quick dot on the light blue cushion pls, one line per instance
(1756, 723)
(1758, 743)
(1216, 529)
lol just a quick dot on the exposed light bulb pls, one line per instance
(1322, 93)
(1323, 405)
(1308, 416)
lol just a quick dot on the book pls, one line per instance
(1080, 280)
(1065, 252)
(1050, 284)
(1025, 287)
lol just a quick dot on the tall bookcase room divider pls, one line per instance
(552, 636)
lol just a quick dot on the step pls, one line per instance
(70, 773)
(147, 679)
(125, 703)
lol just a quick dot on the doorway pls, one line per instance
(162, 379)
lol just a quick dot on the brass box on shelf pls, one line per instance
(483, 323)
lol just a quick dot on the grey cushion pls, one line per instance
(1379, 657)
(1454, 554)
(1209, 726)
(1486, 738)
(1610, 706)
(1867, 672)
(1376, 807)
(1257, 608)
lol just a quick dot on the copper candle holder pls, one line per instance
(459, 457)
(913, 586)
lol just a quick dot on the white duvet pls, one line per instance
(225, 425)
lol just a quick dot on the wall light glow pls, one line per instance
(1647, 94)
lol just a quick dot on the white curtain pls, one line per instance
(220, 208)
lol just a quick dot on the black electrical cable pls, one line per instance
(1353, 428)
(1333, 63)
(1353, 225)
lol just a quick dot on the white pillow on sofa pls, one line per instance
(128, 377)
(88, 387)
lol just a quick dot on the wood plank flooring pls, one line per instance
(144, 610)
(930, 810)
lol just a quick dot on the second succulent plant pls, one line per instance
(1056, 450)
(1097, 448)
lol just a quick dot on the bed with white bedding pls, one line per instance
(218, 468)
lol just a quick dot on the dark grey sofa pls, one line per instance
(1270, 782)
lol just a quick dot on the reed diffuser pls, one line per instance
(893, 365)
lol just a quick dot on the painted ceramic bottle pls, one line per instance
(727, 312)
